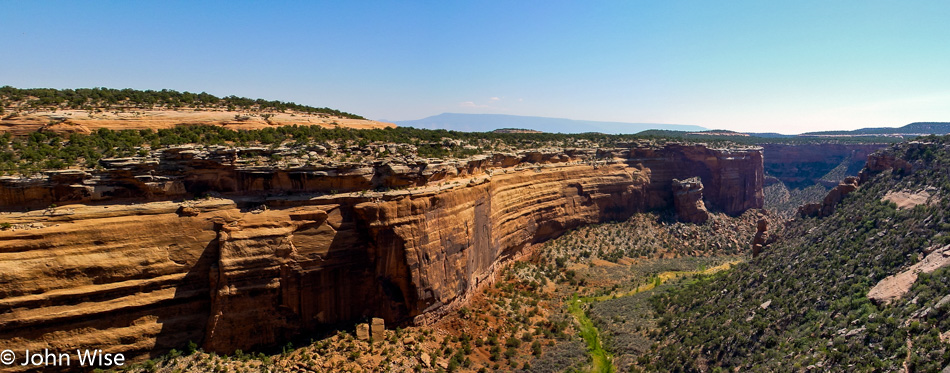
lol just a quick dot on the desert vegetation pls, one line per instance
(804, 304)
(538, 316)
(48, 149)
(15, 100)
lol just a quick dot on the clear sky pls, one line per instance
(742, 65)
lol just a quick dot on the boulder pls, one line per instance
(187, 211)
(362, 331)
(378, 329)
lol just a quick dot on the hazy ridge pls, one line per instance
(491, 122)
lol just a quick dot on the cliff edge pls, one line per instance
(127, 261)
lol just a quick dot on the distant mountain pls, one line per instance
(490, 122)
(917, 128)
(770, 135)
(515, 130)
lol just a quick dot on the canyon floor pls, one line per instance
(575, 303)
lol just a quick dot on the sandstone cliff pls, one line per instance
(279, 255)
(803, 165)
(188, 171)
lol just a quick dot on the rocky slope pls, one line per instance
(279, 254)
(862, 287)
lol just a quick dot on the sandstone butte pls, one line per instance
(126, 264)
(81, 121)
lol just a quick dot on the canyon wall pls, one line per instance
(116, 267)
(800, 166)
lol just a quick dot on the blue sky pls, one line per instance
(742, 65)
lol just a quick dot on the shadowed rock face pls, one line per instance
(800, 166)
(144, 278)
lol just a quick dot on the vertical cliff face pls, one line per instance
(801, 166)
(732, 179)
(143, 278)
(131, 279)
(442, 244)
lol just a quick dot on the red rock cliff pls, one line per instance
(230, 274)
(804, 165)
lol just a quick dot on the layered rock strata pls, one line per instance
(688, 200)
(803, 165)
(269, 261)
(188, 172)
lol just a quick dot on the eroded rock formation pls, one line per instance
(269, 261)
(688, 200)
(887, 160)
(761, 237)
(832, 199)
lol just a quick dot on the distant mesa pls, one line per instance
(718, 133)
(911, 130)
(85, 110)
(491, 122)
(515, 130)
(769, 135)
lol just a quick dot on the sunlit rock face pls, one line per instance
(276, 256)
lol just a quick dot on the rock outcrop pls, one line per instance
(728, 184)
(276, 255)
(895, 286)
(688, 200)
(761, 237)
(883, 160)
(887, 160)
(905, 200)
(832, 199)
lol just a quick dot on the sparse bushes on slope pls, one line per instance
(804, 303)
(98, 98)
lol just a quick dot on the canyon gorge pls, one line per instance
(126, 259)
